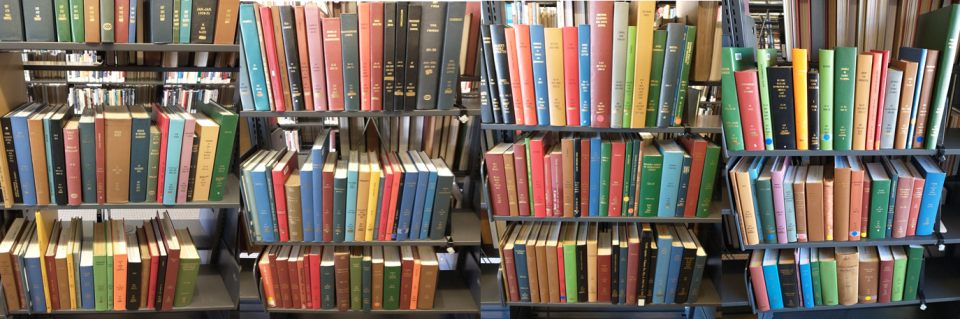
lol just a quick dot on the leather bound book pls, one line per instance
(281, 57)
(121, 21)
(848, 274)
(869, 275)
(907, 88)
(39, 22)
(203, 20)
(411, 67)
(601, 57)
(813, 109)
(672, 60)
(571, 79)
(376, 58)
(38, 156)
(177, 15)
(333, 64)
(687, 264)
(117, 123)
(400, 55)
(789, 286)
(91, 21)
(543, 276)
(291, 57)
(226, 28)
(887, 264)
(12, 30)
(390, 22)
(62, 15)
(780, 81)
(6, 124)
(318, 83)
(926, 91)
(305, 74)
(800, 201)
(433, 19)
(366, 67)
(748, 93)
(161, 22)
(553, 50)
(351, 60)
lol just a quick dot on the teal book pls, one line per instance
(327, 275)
(790, 212)
(249, 194)
(764, 196)
(827, 76)
(815, 268)
(767, 58)
(710, 164)
(429, 200)
(62, 10)
(441, 204)
(606, 148)
(630, 198)
(139, 153)
(670, 178)
(172, 164)
(340, 201)
(88, 159)
(423, 181)
(684, 183)
(186, 7)
(732, 60)
(754, 171)
(845, 60)
(650, 181)
(939, 30)
(76, 21)
(353, 177)
(249, 38)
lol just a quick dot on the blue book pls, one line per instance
(250, 38)
(48, 142)
(410, 179)
(353, 178)
(664, 250)
(676, 256)
(262, 196)
(34, 277)
(771, 277)
(339, 201)
(930, 201)
(423, 180)
(306, 199)
(684, 183)
(21, 142)
(806, 280)
(670, 180)
(185, 7)
(790, 210)
(595, 143)
(919, 56)
(86, 276)
(888, 167)
(132, 36)
(431, 192)
(539, 52)
(140, 148)
(172, 170)
(319, 151)
(520, 259)
(441, 204)
(583, 38)
(246, 180)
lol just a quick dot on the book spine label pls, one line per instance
(601, 39)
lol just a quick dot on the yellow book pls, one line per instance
(119, 240)
(207, 132)
(363, 195)
(800, 97)
(374, 195)
(74, 228)
(642, 13)
(45, 219)
(555, 94)
(861, 101)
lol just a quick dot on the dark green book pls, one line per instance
(733, 59)
(228, 131)
(340, 201)
(350, 44)
(202, 22)
(656, 74)
(412, 58)
(914, 265)
(62, 8)
(606, 148)
(431, 48)
(391, 277)
(12, 30)
(450, 64)
(688, 39)
(634, 181)
(367, 286)
(328, 297)
(710, 164)
(139, 153)
(153, 165)
(931, 35)
(356, 277)
(192, 178)
(627, 177)
(670, 79)
(845, 64)
(159, 25)
(176, 21)
(765, 201)
(815, 276)
(76, 21)
(38, 21)
(650, 180)
(684, 183)
(106, 21)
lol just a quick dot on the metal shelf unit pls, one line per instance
(166, 47)
(139, 68)
(454, 112)
(231, 199)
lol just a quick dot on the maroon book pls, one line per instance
(341, 266)
(295, 275)
(121, 13)
(301, 25)
(511, 267)
(584, 174)
(520, 169)
(334, 63)
(633, 262)
(749, 95)
(376, 67)
(886, 278)
(601, 59)
(603, 274)
(406, 281)
(283, 269)
(328, 203)
(497, 180)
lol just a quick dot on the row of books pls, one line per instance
(621, 263)
(199, 78)
(385, 56)
(56, 157)
(190, 98)
(572, 174)
(620, 70)
(121, 21)
(809, 277)
(349, 278)
(100, 266)
(788, 199)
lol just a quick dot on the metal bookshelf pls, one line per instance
(231, 199)
(166, 47)
(713, 217)
(457, 111)
(708, 124)
(139, 68)
(709, 296)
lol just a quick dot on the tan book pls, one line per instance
(706, 23)
(869, 275)
(800, 201)
(72, 244)
(566, 149)
(592, 233)
(748, 213)
(91, 24)
(510, 173)
(856, 197)
(429, 272)
(116, 124)
(63, 286)
(207, 133)
(841, 198)
(294, 216)
(363, 193)
(532, 269)
(861, 102)
(828, 201)
(38, 153)
(7, 271)
(145, 260)
(49, 257)
(553, 273)
(907, 88)
(848, 273)
(814, 203)
(227, 15)
(281, 56)
(543, 273)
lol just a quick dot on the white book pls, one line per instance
(619, 66)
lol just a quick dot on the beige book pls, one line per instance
(429, 272)
(592, 234)
(869, 273)
(800, 201)
(553, 272)
(848, 262)
(543, 273)
(531, 243)
(207, 132)
(748, 213)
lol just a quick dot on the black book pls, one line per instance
(161, 263)
(350, 41)
(400, 56)
(288, 31)
(813, 110)
(12, 167)
(582, 259)
(786, 266)
(203, 18)
(57, 122)
(780, 81)
(133, 273)
(615, 262)
(687, 263)
(576, 174)
(450, 64)
(413, 58)
(11, 29)
(649, 271)
(389, 55)
(39, 21)
(646, 238)
(193, 168)
(491, 72)
(502, 67)
(486, 107)
(160, 26)
(434, 17)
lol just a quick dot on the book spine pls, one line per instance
(684, 74)
(731, 61)
(901, 215)
(139, 160)
(273, 65)
(890, 108)
(672, 59)
(885, 281)
(789, 285)
(601, 39)
(618, 159)
(540, 77)
(57, 159)
(606, 150)
(249, 39)
(39, 21)
(62, 8)
(651, 181)
(132, 21)
(629, 77)
(861, 101)
(11, 157)
(365, 67)
(571, 79)
(132, 301)
(750, 114)
(390, 48)
(450, 68)
(351, 63)
(781, 102)
(431, 46)
(302, 52)
(107, 23)
(844, 89)
(766, 58)
(183, 179)
(618, 63)
(332, 52)
(12, 29)
(926, 90)
(183, 34)
(584, 71)
(288, 32)
(553, 51)
(916, 197)
(813, 109)
(122, 24)
(203, 21)
(72, 152)
(670, 183)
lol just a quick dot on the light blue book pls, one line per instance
(410, 180)
(132, 36)
(431, 192)
(920, 56)
(47, 142)
(771, 277)
(930, 201)
(34, 277)
(538, 49)
(21, 143)
(754, 174)
(243, 82)
(261, 193)
(86, 276)
(423, 181)
(806, 279)
(664, 250)
(172, 170)
(790, 210)
(583, 40)
(319, 151)
(595, 143)
(246, 179)
(676, 257)
(306, 198)
(249, 37)
(698, 266)
(353, 177)
(185, 7)
(670, 180)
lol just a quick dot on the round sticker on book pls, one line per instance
(769, 141)
(769, 236)
(599, 118)
(854, 234)
(826, 137)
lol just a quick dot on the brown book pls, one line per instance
(744, 194)
(907, 87)
(283, 271)
(145, 260)
(429, 271)
(38, 153)
(294, 216)
(800, 201)
(510, 178)
(341, 267)
(861, 105)
(592, 233)
(848, 273)
(117, 123)
(91, 22)
(828, 201)
(553, 273)
(377, 277)
(281, 57)
(856, 197)
(869, 275)
(227, 15)
(543, 274)
(63, 283)
(530, 240)
(566, 149)
(7, 271)
(841, 199)
(926, 90)
(703, 56)
(814, 205)
(296, 296)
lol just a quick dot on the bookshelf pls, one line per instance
(457, 111)
(138, 68)
(165, 47)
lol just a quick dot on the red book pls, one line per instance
(50, 261)
(376, 38)
(865, 211)
(473, 9)
(394, 201)
(270, 44)
(304, 264)
(515, 85)
(884, 61)
(918, 182)
(334, 63)
(154, 264)
(498, 180)
(539, 145)
(697, 147)
(901, 212)
(294, 269)
(549, 187)
(571, 80)
(315, 275)
(327, 214)
(560, 270)
(510, 265)
(102, 160)
(71, 146)
(633, 261)
(406, 280)
(173, 266)
(387, 170)
(750, 116)
(275, 272)
(618, 151)
(886, 275)
(318, 83)
(876, 109)
(584, 174)
(121, 24)
(523, 184)
(601, 57)
(283, 269)
(556, 180)
(341, 266)
(305, 74)
(281, 172)
(525, 68)
(363, 15)
(603, 271)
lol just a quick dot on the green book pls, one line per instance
(367, 282)
(76, 21)
(62, 9)
(650, 180)
(765, 201)
(815, 276)
(766, 58)
(827, 74)
(606, 148)
(710, 164)
(108, 242)
(845, 81)
(879, 200)
(939, 30)
(914, 262)
(356, 277)
(153, 163)
(100, 269)
(628, 80)
(391, 278)
(526, 142)
(656, 74)
(107, 25)
(689, 36)
(828, 276)
(627, 159)
(221, 162)
(570, 261)
(188, 270)
(899, 273)
(732, 59)
(176, 21)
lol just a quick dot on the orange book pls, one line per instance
(800, 97)
(861, 102)
(876, 110)
(119, 265)
(415, 285)
(515, 86)
(363, 15)
(856, 196)
(841, 199)
(266, 277)
(828, 190)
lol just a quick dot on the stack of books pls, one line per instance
(349, 278)
(808, 277)
(116, 154)
(382, 56)
(547, 174)
(788, 199)
(345, 197)
(100, 266)
(622, 263)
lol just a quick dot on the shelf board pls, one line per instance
(712, 218)
(842, 307)
(452, 296)
(488, 280)
(18, 46)
(833, 153)
(210, 294)
(708, 298)
(231, 199)
(949, 218)
(909, 240)
(675, 129)
(140, 68)
(951, 141)
(733, 286)
(453, 112)
(461, 234)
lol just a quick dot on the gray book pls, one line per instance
(891, 107)
(673, 54)
(620, 11)
(38, 21)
